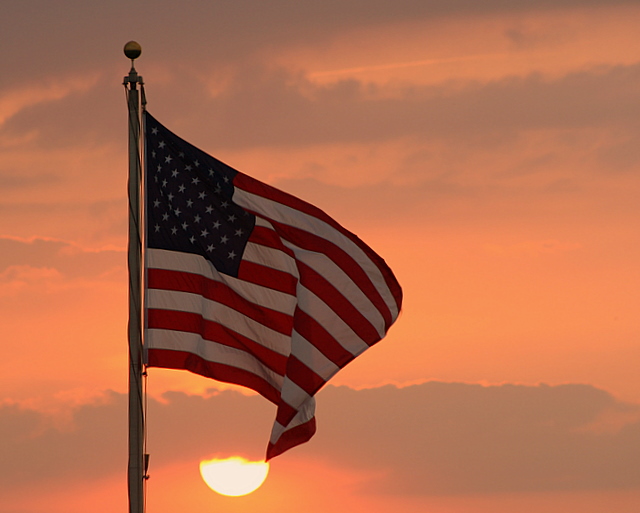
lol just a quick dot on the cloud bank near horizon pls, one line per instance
(430, 439)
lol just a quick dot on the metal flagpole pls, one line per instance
(136, 469)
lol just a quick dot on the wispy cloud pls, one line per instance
(15, 100)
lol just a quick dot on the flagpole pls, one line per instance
(136, 467)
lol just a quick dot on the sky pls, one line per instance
(488, 151)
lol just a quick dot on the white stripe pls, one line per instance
(270, 257)
(261, 221)
(311, 304)
(308, 354)
(212, 352)
(276, 258)
(293, 394)
(292, 217)
(196, 264)
(327, 268)
(222, 314)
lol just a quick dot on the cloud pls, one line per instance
(67, 259)
(32, 445)
(440, 438)
(260, 106)
(275, 108)
(84, 33)
(16, 100)
(429, 439)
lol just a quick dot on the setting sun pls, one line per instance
(233, 476)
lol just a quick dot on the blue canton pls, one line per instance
(189, 201)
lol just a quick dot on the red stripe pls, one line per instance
(292, 437)
(267, 277)
(319, 337)
(303, 376)
(306, 379)
(342, 259)
(169, 359)
(215, 332)
(342, 307)
(253, 186)
(263, 274)
(219, 292)
(285, 413)
(269, 238)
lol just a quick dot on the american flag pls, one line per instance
(249, 285)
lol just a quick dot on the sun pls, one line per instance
(233, 476)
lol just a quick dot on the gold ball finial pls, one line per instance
(132, 50)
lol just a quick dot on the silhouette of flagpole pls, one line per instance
(136, 473)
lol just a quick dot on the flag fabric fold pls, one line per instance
(249, 285)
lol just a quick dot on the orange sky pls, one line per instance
(487, 150)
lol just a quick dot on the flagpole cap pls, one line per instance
(132, 50)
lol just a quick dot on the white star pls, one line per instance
(181, 154)
(157, 228)
(156, 203)
(239, 233)
(168, 159)
(154, 130)
(188, 168)
(224, 239)
(174, 230)
(164, 183)
(216, 225)
(197, 164)
(174, 173)
(165, 217)
(197, 218)
(181, 188)
(189, 203)
(195, 181)
(170, 197)
(226, 179)
(209, 209)
(224, 204)
(185, 226)
(202, 195)
(177, 212)
(232, 255)
(210, 248)
(192, 239)
(211, 172)
(204, 233)
(161, 144)
(231, 218)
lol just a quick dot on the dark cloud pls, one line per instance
(31, 445)
(46, 37)
(267, 108)
(85, 118)
(274, 108)
(442, 438)
(70, 260)
(435, 438)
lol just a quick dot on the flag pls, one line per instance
(249, 285)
